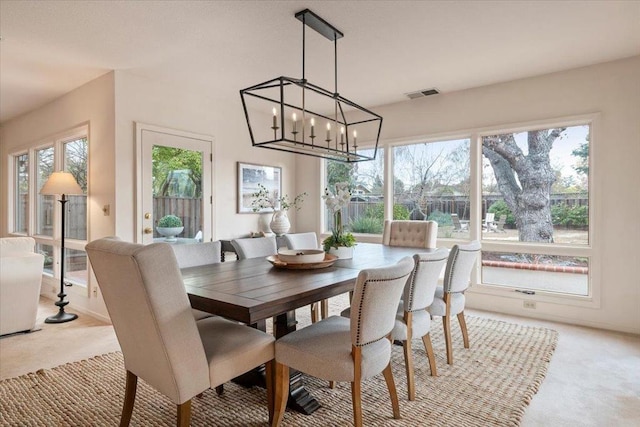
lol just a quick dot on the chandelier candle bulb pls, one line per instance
(328, 131)
(313, 123)
(295, 118)
(275, 117)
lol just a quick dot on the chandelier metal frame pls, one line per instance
(341, 144)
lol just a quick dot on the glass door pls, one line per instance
(175, 200)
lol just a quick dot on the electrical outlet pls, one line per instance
(529, 304)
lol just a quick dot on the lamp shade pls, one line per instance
(61, 183)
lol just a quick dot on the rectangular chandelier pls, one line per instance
(294, 115)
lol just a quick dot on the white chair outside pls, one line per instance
(449, 299)
(340, 349)
(160, 341)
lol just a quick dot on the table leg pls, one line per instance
(299, 397)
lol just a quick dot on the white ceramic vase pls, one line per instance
(280, 223)
(169, 233)
(342, 252)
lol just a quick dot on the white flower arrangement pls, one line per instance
(262, 199)
(335, 203)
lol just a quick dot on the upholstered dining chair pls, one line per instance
(412, 319)
(196, 254)
(308, 240)
(255, 247)
(341, 349)
(413, 234)
(449, 299)
(160, 340)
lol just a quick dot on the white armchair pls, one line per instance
(20, 279)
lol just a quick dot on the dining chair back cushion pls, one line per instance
(375, 301)
(420, 289)
(323, 349)
(414, 234)
(195, 254)
(149, 308)
(255, 247)
(301, 240)
(461, 261)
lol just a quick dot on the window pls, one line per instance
(21, 201)
(523, 192)
(44, 203)
(66, 152)
(75, 162)
(365, 211)
(431, 182)
(535, 190)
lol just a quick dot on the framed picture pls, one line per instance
(249, 176)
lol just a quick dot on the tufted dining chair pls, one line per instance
(412, 319)
(414, 234)
(449, 299)
(341, 349)
(255, 247)
(160, 340)
(308, 240)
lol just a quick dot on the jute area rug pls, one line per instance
(489, 384)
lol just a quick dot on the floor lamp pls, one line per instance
(61, 183)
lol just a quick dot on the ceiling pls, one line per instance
(48, 48)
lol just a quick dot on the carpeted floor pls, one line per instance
(490, 384)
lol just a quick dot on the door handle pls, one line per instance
(148, 230)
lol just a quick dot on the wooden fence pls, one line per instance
(188, 210)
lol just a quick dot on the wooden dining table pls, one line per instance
(253, 290)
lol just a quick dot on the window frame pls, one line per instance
(590, 251)
(56, 141)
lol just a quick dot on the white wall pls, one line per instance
(611, 89)
(141, 100)
(92, 104)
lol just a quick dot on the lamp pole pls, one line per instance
(62, 316)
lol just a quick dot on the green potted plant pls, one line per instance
(339, 243)
(170, 226)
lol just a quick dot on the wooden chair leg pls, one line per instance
(391, 385)
(184, 414)
(220, 389)
(408, 365)
(426, 340)
(129, 399)
(332, 384)
(446, 323)
(463, 328)
(356, 392)
(281, 393)
(269, 379)
(324, 308)
(356, 385)
(314, 312)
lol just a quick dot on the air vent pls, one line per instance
(422, 93)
